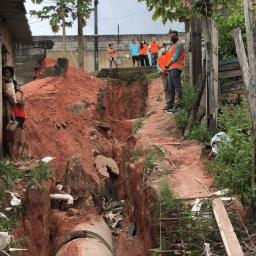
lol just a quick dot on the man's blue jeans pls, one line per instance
(175, 84)
(154, 57)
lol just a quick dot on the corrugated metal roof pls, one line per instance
(13, 13)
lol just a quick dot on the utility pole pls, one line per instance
(118, 33)
(96, 63)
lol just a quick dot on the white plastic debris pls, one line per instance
(216, 142)
(48, 159)
(17, 249)
(196, 208)
(15, 201)
(220, 192)
(207, 249)
(3, 216)
(5, 239)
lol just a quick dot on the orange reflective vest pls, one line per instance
(162, 61)
(154, 48)
(180, 62)
(143, 51)
(111, 52)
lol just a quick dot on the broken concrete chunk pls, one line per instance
(104, 162)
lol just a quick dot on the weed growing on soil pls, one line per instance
(200, 133)
(189, 96)
(159, 97)
(37, 176)
(135, 155)
(149, 75)
(136, 125)
(233, 164)
(8, 174)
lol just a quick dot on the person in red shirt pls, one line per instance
(112, 56)
(143, 53)
(19, 139)
(153, 49)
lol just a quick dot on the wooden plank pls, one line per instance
(227, 67)
(232, 73)
(228, 235)
(233, 83)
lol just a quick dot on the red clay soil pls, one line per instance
(54, 129)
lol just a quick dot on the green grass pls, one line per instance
(136, 125)
(233, 165)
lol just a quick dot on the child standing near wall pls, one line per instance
(8, 73)
(112, 56)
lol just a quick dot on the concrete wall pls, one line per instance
(28, 59)
(122, 49)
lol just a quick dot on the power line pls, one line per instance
(113, 10)
(124, 16)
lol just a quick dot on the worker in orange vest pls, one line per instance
(153, 49)
(112, 56)
(162, 61)
(143, 53)
(176, 59)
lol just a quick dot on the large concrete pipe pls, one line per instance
(86, 239)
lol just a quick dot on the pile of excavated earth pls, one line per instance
(86, 124)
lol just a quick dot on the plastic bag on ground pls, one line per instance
(216, 142)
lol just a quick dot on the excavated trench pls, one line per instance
(54, 227)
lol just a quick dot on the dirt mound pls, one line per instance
(54, 127)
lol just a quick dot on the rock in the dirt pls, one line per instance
(151, 112)
(103, 125)
(131, 231)
(79, 183)
(103, 162)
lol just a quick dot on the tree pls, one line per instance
(226, 25)
(71, 10)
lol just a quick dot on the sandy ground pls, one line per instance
(189, 165)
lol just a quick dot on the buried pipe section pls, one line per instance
(64, 197)
(92, 239)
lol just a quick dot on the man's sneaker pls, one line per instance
(177, 109)
(168, 111)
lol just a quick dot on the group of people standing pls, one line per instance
(170, 64)
(140, 55)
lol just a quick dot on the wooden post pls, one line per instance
(196, 54)
(249, 77)
(80, 43)
(1, 101)
(192, 116)
(210, 88)
(251, 91)
(64, 36)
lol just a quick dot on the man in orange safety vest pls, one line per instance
(153, 49)
(176, 58)
(162, 61)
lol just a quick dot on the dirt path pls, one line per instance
(186, 156)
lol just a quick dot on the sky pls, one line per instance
(132, 17)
